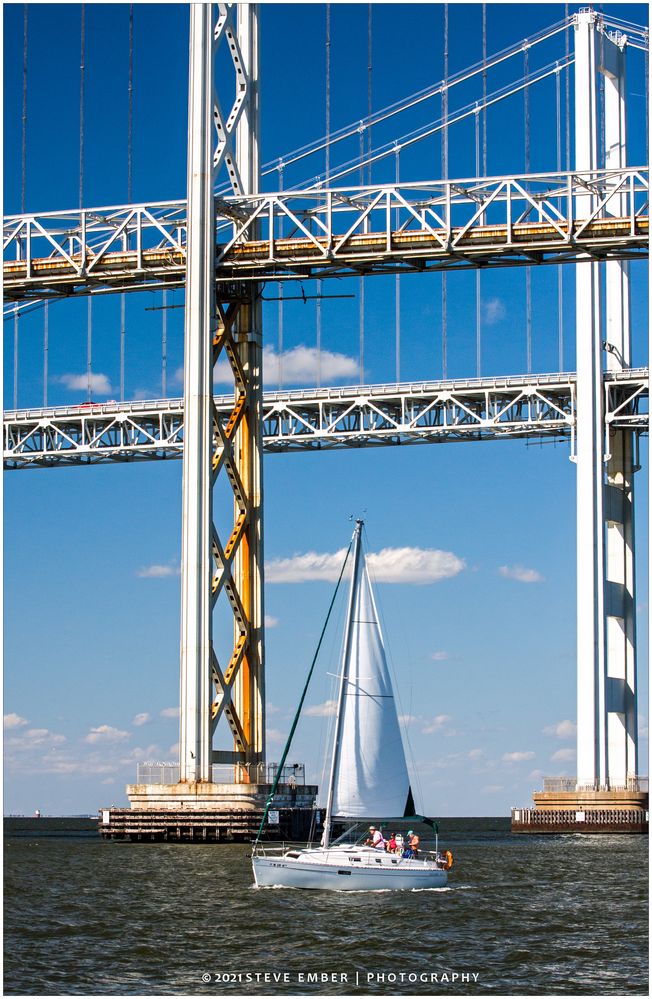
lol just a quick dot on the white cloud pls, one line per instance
(273, 735)
(436, 725)
(34, 738)
(174, 751)
(270, 621)
(170, 713)
(99, 383)
(563, 755)
(322, 710)
(106, 733)
(158, 571)
(518, 757)
(439, 656)
(142, 719)
(391, 565)
(494, 310)
(297, 366)
(565, 729)
(407, 719)
(475, 754)
(535, 774)
(14, 721)
(520, 574)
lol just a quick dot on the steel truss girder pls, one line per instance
(535, 406)
(499, 221)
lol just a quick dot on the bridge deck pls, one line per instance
(534, 406)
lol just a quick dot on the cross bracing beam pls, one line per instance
(499, 221)
(535, 406)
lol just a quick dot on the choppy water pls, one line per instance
(528, 915)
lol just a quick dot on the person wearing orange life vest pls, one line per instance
(412, 845)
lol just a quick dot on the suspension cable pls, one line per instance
(567, 85)
(560, 270)
(130, 121)
(478, 273)
(46, 347)
(130, 106)
(369, 83)
(478, 322)
(23, 171)
(82, 81)
(528, 273)
(164, 347)
(413, 99)
(444, 174)
(89, 349)
(397, 283)
(81, 104)
(16, 316)
(418, 135)
(281, 293)
(327, 174)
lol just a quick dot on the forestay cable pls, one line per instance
(279, 771)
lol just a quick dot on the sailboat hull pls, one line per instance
(335, 870)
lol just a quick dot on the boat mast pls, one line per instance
(357, 551)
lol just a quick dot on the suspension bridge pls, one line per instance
(228, 242)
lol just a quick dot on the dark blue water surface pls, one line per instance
(527, 915)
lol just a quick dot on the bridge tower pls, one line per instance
(607, 734)
(222, 323)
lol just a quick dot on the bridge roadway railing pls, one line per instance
(497, 221)
(533, 406)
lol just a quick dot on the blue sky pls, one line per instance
(484, 656)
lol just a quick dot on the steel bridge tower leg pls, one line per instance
(222, 323)
(606, 680)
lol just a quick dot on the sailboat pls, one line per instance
(368, 772)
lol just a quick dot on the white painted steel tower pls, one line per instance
(606, 649)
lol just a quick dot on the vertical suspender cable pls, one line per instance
(164, 347)
(82, 70)
(326, 175)
(567, 85)
(23, 180)
(646, 57)
(89, 349)
(560, 275)
(130, 105)
(281, 292)
(478, 325)
(15, 360)
(397, 285)
(528, 273)
(82, 46)
(23, 171)
(369, 86)
(46, 347)
(484, 90)
(478, 279)
(130, 116)
(444, 173)
(367, 133)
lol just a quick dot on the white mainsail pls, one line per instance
(370, 775)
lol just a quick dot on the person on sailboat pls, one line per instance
(376, 839)
(391, 844)
(413, 844)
